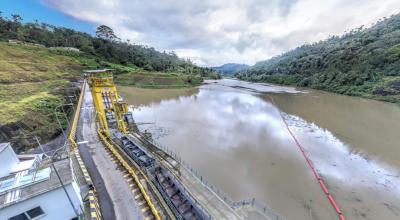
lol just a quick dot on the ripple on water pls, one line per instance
(224, 126)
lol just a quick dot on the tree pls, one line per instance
(106, 33)
(16, 18)
(105, 48)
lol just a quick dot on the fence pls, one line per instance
(74, 125)
(234, 204)
(201, 211)
(95, 213)
(132, 172)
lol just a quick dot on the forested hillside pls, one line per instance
(364, 62)
(41, 65)
(229, 69)
(105, 46)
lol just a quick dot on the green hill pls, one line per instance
(230, 69)
(33, 81)
(104, 47)
(40, 66)
(363, 62)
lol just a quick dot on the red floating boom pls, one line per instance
(310, 164)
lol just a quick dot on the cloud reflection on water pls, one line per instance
(225, 125)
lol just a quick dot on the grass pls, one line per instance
(157, 80)
(131, 75)
(12, 111)
(33, 81)
(17, 91)
(34, 64)
(28, 72)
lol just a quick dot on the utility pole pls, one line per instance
(59, 179)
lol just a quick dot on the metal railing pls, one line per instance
(132, 172)
(201, 211)
(145, 173)
(72, 134)
(167, 199)
(258, 205)
(95, 213)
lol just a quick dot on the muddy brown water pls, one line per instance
(234, 136)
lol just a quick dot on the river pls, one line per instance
(233, 134)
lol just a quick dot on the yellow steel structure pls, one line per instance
(95, 213)
(110, 106)
(72, 133)
(132, 172)
(106, 100)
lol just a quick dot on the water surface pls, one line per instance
(231, 132)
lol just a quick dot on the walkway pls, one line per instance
(115, 195)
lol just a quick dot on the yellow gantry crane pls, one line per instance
(110, 108)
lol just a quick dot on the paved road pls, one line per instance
(116, 197)
(106, 205)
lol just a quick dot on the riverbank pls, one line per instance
(156, 80)
(387, 89)
(351, 141)
(142, 96)
(363, 62)
(36, 81)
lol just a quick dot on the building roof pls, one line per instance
(24, 165)
(12, 163)
(39, 181)
(3, 146)
(98, 71)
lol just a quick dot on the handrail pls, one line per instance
(198, 205)
(149, 182)
(95, 213)
(233, 204)
(72, 133)
(131, 171)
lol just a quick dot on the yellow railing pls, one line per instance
(151, 185)
(94, 205)
(131, 171)
(95, 213)
(72, 133)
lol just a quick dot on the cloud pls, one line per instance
(215, 32)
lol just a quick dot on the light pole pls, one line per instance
(59, 123)
(59, 178)
(70, 101)
(65, 115)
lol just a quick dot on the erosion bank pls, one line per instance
(33, 83)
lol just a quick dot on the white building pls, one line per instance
(31, 190)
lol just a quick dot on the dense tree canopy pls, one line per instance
(105, 32)
(365, 61)
(230, 69)
(105, 46)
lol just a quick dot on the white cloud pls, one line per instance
(215, 32)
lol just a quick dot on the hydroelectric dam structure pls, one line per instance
(133, 177)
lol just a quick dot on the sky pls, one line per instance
(211, 32)
(36, 9)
